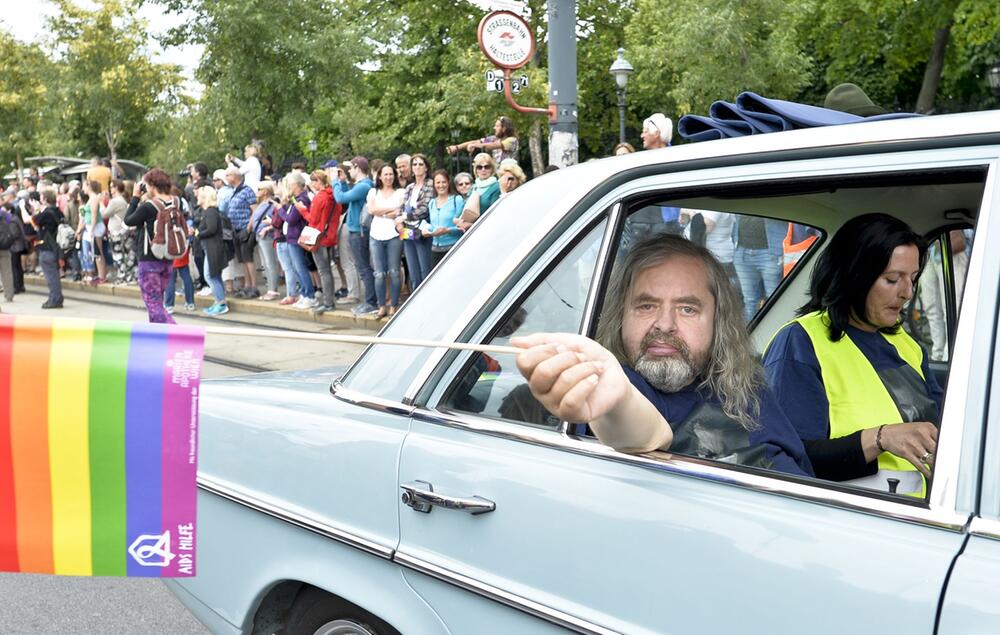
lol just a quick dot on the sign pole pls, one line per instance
(563, 131)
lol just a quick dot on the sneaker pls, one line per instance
(169, 309)
(341, 293)
(289, 299)
(217, 309)
(240, 293)
(269, 296)
(364, 309)
(189, 307)
(52, 305)
(321, 309)
(251, 292)
(305, 303)
(205, 292)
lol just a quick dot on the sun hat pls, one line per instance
(848, 97)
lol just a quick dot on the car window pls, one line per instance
(767, 238)
(932, 316)
(491, 385)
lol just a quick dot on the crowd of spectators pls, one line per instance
(353, 232)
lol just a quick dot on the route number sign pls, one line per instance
(506, 39)
(495, 81)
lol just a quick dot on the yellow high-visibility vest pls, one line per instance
(858, 399)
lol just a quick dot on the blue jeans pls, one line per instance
(418, 258)
(362, 261)
(297, 255)
(386, 255)
(185, 274)
(87, 254)
(292, 286)
(218, 289)
(757, 269)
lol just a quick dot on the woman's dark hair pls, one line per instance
(846, 270)
(447, 177)
(118, 186)
(506, 127)
(395, 176)
(159, 179)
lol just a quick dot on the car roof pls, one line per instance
(866, 132)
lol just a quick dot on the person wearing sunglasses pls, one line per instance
(485, 190)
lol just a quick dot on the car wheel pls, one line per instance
(316, 612)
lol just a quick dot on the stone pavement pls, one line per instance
(128, 295)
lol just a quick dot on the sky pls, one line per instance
(27, 20)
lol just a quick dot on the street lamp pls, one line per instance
(312, 149)
(993, 78)
(621, 69)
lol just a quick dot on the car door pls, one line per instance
(501, 504)
(969, 604)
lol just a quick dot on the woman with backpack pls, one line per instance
(154, 271)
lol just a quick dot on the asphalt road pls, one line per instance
(46, 603)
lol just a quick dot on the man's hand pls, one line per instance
(574, 377)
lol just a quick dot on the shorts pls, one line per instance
(244, 251)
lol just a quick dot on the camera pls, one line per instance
(142, 186)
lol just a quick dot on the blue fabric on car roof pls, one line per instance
(755, 114)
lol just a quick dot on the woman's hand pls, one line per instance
(916, 442)
(137, 190)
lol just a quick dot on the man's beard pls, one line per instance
(667, 374)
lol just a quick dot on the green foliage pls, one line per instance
(692, 53)
(265, 66)
(21, 96)
(378, 77)
(106, 87)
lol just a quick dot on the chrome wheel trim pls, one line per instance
(344, 627)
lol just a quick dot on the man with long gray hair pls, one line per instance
(674, 368)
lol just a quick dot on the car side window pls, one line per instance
(932, 316)
(490, 385)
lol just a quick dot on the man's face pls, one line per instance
(403, 167)
(233, 179)
(669, 323)
(651, 138)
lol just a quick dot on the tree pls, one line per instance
(267, 64)
(22, 97)
(108, 85)
(690, 53)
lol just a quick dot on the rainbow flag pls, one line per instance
(98, 447)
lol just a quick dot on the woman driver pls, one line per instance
(855, 386)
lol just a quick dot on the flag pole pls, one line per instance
(361, 339)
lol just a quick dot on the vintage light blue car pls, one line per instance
(425, 491)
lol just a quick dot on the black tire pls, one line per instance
(316, 612)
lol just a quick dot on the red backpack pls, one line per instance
(170, 239)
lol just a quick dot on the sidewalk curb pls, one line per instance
(129, 295)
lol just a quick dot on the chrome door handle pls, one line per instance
(420, 495)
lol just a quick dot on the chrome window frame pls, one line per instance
(940, 511)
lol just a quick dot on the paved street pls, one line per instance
(45, 604)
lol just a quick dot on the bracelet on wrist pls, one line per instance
(878, 439)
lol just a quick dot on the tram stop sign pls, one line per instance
(506, 39)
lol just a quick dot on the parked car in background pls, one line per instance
(425, 491)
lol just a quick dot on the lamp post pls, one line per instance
(621, 69)
(312, 149)
(993, 78)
